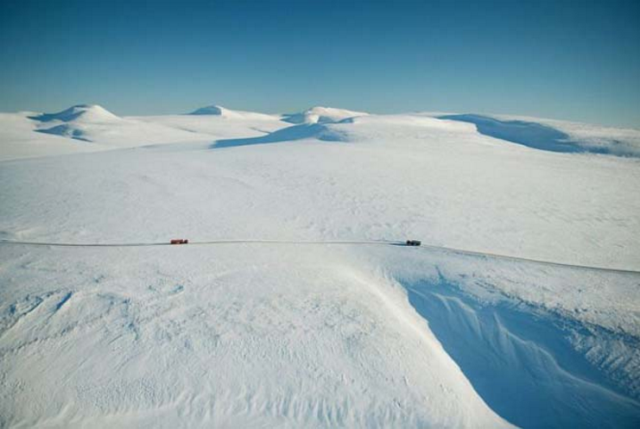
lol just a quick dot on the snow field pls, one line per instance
(312, 336)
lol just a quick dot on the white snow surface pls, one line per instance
(555, 135)
(302, 335)
(215, 110)
(90, 128)
(319, 114)
(623, 141)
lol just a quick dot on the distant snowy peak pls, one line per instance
(211, 110)
(321, 115)
(80, 112)
(223, 112)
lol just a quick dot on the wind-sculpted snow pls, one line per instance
(316, 131)
(229, 342)
(64, 130)
(528, 365)
(223, 112)
(556, 136)
(286, 335)
(321, 115)
(366, 129)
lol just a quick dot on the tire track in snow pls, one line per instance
(320, 243)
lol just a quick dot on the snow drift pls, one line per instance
(524, 361)
(556, 136)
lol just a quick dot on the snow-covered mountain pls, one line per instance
(294, 334)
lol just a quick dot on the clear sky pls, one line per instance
(576, 60)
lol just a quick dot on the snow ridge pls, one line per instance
(321, 115)
(555, 136)
(223, 112)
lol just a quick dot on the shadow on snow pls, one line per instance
(521, 363)
(529, 134)
(296, 132)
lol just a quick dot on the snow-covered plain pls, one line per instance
(302, 335)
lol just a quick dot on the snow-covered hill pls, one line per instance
(89, 128)
(19, 139)
(91, 123)
(321, 115)
(220, 123)
(223, 112)
(302, 335)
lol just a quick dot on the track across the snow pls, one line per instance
(321, 243)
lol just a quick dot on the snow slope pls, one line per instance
(299, 335)
(19, 139)
(91, 123)
(215, 110)
(219, 122)
(557, 136)
(321, 115)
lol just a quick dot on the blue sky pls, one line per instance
(576, 60)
